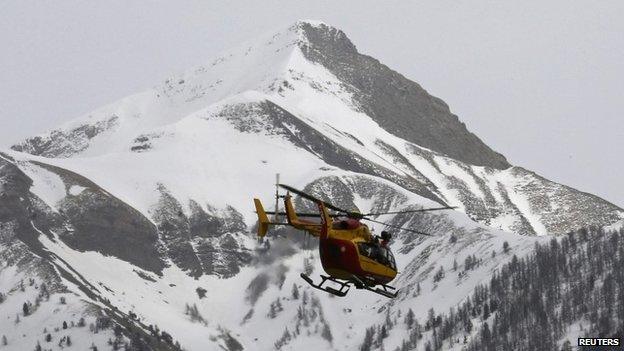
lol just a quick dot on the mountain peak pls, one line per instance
(319, 35)
(306, 51)
(312, 22)
(399, 105)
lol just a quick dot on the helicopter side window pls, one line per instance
(391, 261)
(385, 257)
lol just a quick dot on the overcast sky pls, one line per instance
(540, 81)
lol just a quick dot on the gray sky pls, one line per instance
(541, 82)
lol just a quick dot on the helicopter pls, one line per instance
(350, 254)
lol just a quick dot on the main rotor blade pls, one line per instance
(397, 227)
(311, 198)
(300, 214)
(305, 214)
(411, 211)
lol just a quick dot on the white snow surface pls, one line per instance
(48, 186)
(75, 190)
(615, 226)
(23, 332)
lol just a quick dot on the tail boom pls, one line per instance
(311, 227)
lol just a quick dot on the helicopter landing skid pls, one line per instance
(384, 291)
(359, 284)
(344, 286)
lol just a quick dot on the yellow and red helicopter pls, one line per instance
(350, 254)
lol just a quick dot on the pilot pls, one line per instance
(385, 239)
(379, 247)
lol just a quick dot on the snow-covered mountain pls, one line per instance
(139, 213)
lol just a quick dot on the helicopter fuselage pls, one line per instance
(344, 256)
(348, 251)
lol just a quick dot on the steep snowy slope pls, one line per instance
(252, 308)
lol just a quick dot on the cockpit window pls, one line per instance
(378, 253)
(365, 249)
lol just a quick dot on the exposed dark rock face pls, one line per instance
(562, 208)
(105, 224)
(20, 213)
(204, 225)
(93, 220)
(23, 218)
(98, 221)
(14, 200)
(341, 191)
(65, 143)
(173, 226)
(522, 225)
(223, 256)
(515, 195)
(202, 243)
(399, 105)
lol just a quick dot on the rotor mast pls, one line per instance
(277, 182)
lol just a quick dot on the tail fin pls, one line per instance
(313, 228)
(263, 219)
